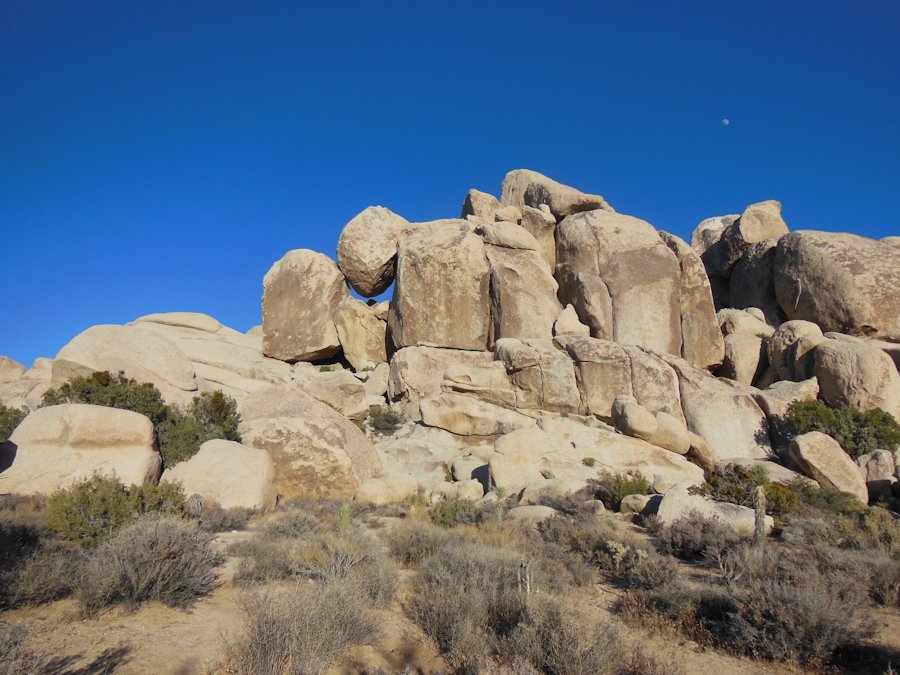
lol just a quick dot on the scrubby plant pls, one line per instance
(10, 418)
(453, 512)
(612, 488)
(93, 509)
(857, 432)
(413, 541)
(154, 558)
(695, 537)
(112, 391)
(734, 483)
(15, 657)
(385, 420)
(217, 519)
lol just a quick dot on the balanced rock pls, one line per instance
(759, 222)
(821, 458)
(300, 292)
(842, 282)
(523, 188)
(367, 248)
(228, 473)
(58, 445)
(480, 206)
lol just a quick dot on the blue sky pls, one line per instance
(160, 156)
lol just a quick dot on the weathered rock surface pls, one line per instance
(752, 281)
(361, 333)
(759, 222)
(468, 416)
(10, 370)
(480, 205)
(57, 445)
(367, 248)
(678, 503)
(623, 281)
(300, 292)
(523, 188)
(338, 389)
(790, 350)
(541, 224)
(523, 293)
(821, 458)
(543, 377)
(842, 282)
(702, 344)
(746, 358)
(228, 473)
(567, 323)
(857, 375)
(441, 294)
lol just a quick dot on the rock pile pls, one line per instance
(532, 343)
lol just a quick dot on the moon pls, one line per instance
(725, 121)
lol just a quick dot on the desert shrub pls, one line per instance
(262, 559)
(385, 420)
(302, 629)
(93, 509)
(734, 483)
(858, 432)
(10, 418)
(15, 658)
(50, 572)
(112, 391)
(613, 488)
(695, 537)
(469, 596)
(453, 512)
(295, 523)
(153, 558)
(413, 541)
(824, 498)
(217, 519)
(781, 500)
(211, 415)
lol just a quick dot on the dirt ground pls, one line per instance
(164, 641)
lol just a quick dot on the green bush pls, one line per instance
(166, 559)
(10, 418)
(613, 488)
(453, 512)
(93, 509)
(385, 420)
(734, 483)
(858, 432)
(112, 391)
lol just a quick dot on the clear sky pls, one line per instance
(160, 156)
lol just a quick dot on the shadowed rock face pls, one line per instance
(842, 282)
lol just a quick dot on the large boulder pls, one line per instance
(541, 224)
(418, 372)
(679, 503)
(228, 473)
(300, 292)
(759, 222)
(821, 458)
(317, 451)
(623, 281)
(480, 206)
(339, 389)
(467, 416)
(702, 344)
(361, 333)
(367, 248)
(745, 358)
(522, 188)
(790, 350)
(858, 375)
(522, 291)
(542, 375)
(139, 352)
(842, 282)
(58, 445)
(441, 294)
(752, 281)
(724, 414)
(10, 370)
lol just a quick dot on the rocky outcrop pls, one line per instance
(841, 282)
(467, 416)
(523, 188)
(759, 222)
(367, 249)
(821, 458)
(338, 389)
(10, 371)
(300, 292)
(857, 375)
(442, 290)
(542, 376)
(60, 444)
(229, 474)
(361, 333)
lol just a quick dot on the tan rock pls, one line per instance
(752, 282)
(548, 488)
(300, 292)
(857, 375)
(732, 321)
(702, 344)
(700, 453)
(633, 419)
(759, 222)
(670, 434)
(523, 294)
(821, 458)
(228, 473)
(10, 370)
(709, 232)
(523, 188)
(361, 333)
(567, 323)
(790, 350)
(441, 295)
(338, 389)
(532, 514)
(376, 382)
(367, 248)
(480, 205)
(193, 320)
(842, 282)
(508, 235)
(489, 384)
(679, 503)
(542, 376)
(58, 445)
(623, 281)
(541, 224)
(388, 490)
(746, 358)
(467, 416)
